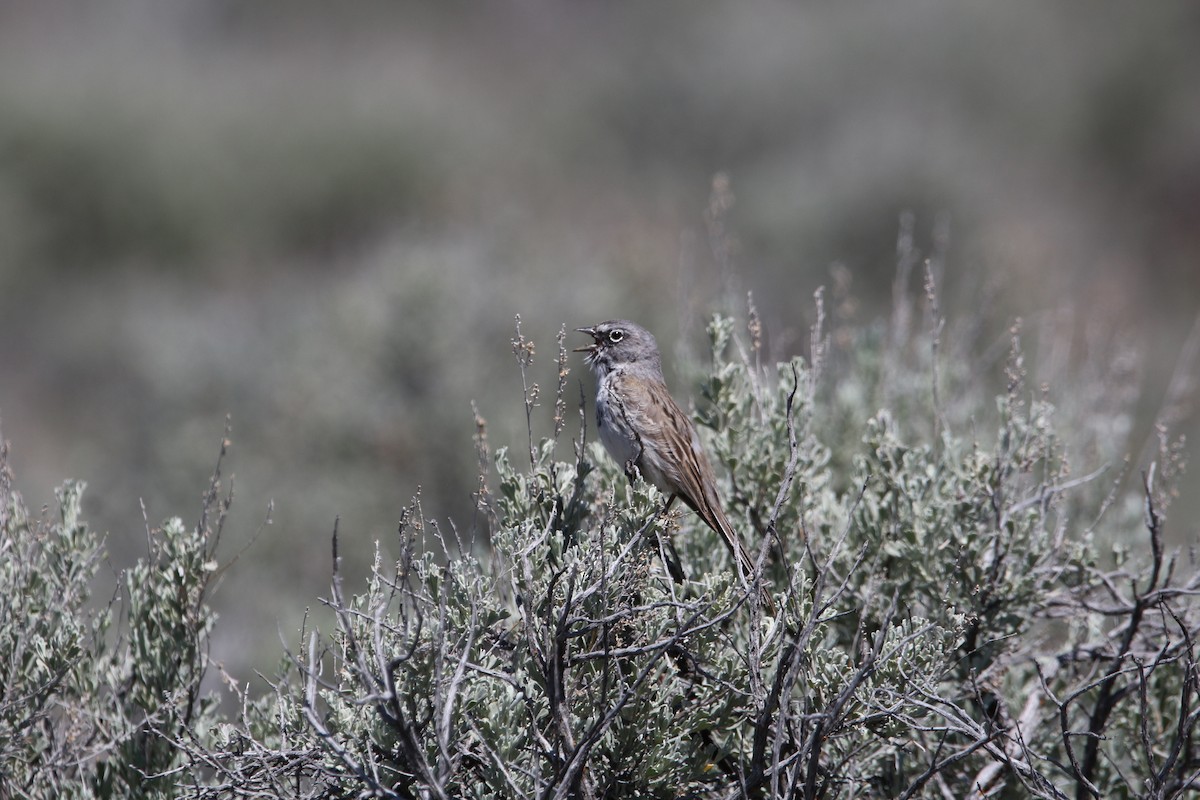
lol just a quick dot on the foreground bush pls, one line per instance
(972, 598)
(90, 697)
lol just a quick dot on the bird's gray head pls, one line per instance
(620, 342)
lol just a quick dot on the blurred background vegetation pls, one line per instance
(323, 223)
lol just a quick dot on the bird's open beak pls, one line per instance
(591, 347)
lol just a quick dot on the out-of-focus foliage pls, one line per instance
(323, 226)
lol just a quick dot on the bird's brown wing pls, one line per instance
(671, 446)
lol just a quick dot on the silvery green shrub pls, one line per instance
(969, 597)
(93, 696)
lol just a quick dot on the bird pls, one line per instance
(646, 432)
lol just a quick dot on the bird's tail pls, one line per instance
(743, 564)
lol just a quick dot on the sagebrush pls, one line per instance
(973, 598)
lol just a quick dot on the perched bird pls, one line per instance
(641, 426)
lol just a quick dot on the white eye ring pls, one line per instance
(616, 336)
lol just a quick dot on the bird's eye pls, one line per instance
(616, 336)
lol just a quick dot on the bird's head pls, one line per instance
(619, 342)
